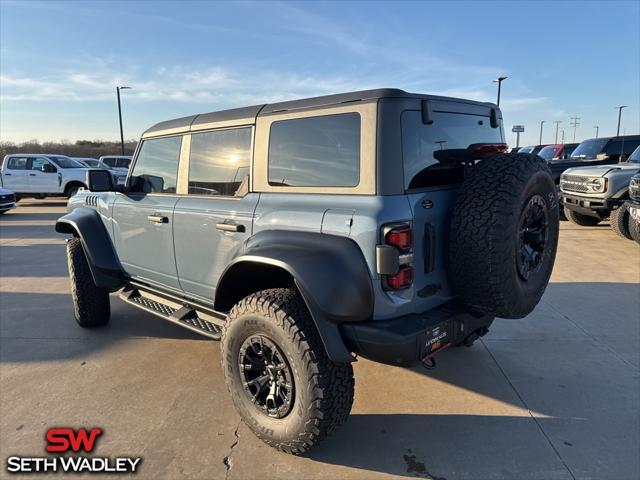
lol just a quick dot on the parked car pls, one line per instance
(557, 151)
(41, 175)
(591, 194)
(633, 206)
(378, 223)
(596, 151)
(532, 149)
(7, 200)
(119, 175)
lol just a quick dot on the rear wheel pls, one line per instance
(90, 303)
(281, 381)
(504, 234)
(72, 189)
(580, 219)
(619, 220)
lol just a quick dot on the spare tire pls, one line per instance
(504, 235)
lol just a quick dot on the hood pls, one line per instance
(601, 170)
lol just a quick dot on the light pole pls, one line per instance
(557, 122)
(541, 124)
(619, 117)
(120, 116)
(499, 81)
(575, 121)
(597, 130)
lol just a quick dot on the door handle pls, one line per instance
(230, 227)
(32, 174)
(7, 174)
(158, 219)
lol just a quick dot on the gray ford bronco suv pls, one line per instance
(303, 234)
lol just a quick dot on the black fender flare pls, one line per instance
(329, 271)
(86, 224)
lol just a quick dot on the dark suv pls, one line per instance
(303, 234)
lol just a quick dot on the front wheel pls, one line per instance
(90, 303)
(619, 219)
(281, 381)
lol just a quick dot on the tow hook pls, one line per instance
(481, 332)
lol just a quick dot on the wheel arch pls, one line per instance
(328, 271)
(85, 223)
(73, 183)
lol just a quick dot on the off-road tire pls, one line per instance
(91, 305)
(323, 389)
(580, 219)
(72, 189)
(619, 219)
(486, 231)
(634, 229)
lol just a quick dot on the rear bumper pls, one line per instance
(590, 205)
(407, 340)
(4, 206)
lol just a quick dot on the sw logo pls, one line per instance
(67, 440)
(64, 439)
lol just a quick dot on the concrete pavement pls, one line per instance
(554, 396)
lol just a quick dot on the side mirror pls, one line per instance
(48, 168)
(100, 181)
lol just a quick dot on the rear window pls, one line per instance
(17, 163)
(448, 131)
(219, 162)
(315, 152)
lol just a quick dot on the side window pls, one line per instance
(219, 162)
(110, 161)
(315, 152)
(156, 168)
(17, 163)
(37, 163)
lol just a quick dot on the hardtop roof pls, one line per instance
(247, 115)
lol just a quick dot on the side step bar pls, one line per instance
(183, 315)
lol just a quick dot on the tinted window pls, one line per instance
(589, 148)
(448, 131)
(219, 162)
(549, 152)
(109, 161)
(156, 168)
(618, 147)
(315, 152)
(635, 156)
(17, 163)
(123, 162)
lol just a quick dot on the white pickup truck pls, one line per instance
(42, 175)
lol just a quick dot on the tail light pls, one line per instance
(486, 148)
(398, 247)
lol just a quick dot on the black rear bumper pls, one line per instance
(405, 341)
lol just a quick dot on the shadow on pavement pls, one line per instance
(16, 215)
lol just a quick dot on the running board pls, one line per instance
(183, 315)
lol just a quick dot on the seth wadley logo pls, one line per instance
(61, 440)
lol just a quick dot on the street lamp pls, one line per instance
(499, 81)
(619, 117)
(541, 124)
(597, 129)
(120, 116)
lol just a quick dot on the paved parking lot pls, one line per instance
(555, 396)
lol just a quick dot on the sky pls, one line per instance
(61, 61)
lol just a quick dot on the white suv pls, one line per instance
(40, 175)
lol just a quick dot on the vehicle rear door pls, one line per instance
(143, 215)
(14, 174)
(214, 219)
(431, 186)
(41, 181)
